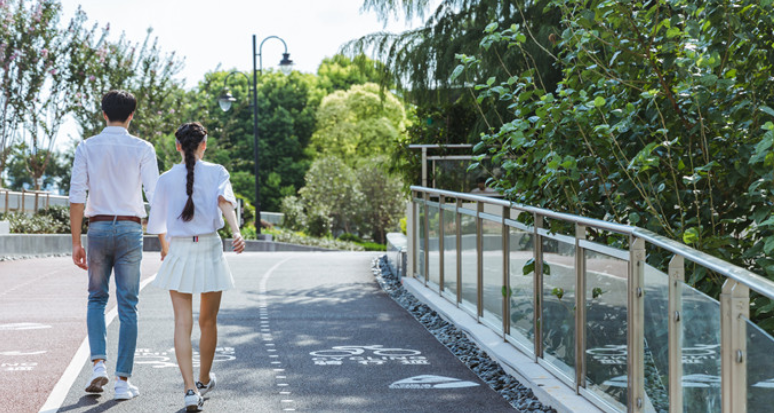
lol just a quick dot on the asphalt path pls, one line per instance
(301, 332)
(42, 325)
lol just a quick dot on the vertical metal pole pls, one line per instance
(580, 309)
(37, 195)
(676, 279)
(424, 167)
(506, 273)
(256, 134)
(411, 228)
(434, 185)
(441, 247)
(636, 324)
(480, 259)
(426, 219)
(6, 200)
(458, 225)
(734, 309)
(22, 200)
(538, 286)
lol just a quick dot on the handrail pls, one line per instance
(625, 274)
(752, 280)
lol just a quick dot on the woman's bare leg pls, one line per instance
(208, 324)
(181, 302)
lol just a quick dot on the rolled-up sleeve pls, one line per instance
(224, 187)
(157, 220)
(79, 178)
(149, 171)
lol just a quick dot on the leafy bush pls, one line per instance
(350, 237)
(299, 238)
(294, 215)
(373, 246)
(22, 223)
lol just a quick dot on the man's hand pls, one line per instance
(238, 243)
(79, 256)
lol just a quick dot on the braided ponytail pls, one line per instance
(190, 135)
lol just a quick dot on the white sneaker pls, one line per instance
(125, 390)
(193, 401)
(205, 388)
(99, 378)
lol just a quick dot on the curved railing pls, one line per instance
(647, 340)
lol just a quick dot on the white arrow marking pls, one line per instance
(431, 382)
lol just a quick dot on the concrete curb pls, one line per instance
(547, 388)
(17, 246)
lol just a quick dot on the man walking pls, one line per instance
(112, 167)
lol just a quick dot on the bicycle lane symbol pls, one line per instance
(165, 359)
(368, 355)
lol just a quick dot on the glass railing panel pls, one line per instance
(522, 286)
(469, 263)
(420, 241)
(657, 338)
(606, 327)
(558, 305)
(434, 260)
(450, 252)
(493, 271)
(760, 369)
(700, 324)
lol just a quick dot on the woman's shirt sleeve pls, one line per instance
(157, 220)
(224, 187)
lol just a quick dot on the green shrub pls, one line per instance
(373, 246)
(22, 223)
(293, 210)
(299, 238)
(350, 237)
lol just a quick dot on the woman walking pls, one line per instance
(190, 202)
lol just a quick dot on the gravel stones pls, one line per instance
(518, 395)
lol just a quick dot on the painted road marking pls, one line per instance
(18, 366)
(23, 326)
(432, 382)
(20, 353)
(368, 355)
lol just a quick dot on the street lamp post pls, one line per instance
(226, 99)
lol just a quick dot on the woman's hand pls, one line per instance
(164, 249)
(238, 243)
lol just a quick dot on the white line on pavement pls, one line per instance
(62, 388)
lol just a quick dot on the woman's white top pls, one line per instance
(211, 181)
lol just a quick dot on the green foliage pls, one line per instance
(22, 223)
(293, 212)
(340, 72)
(357, 124)
(661, 119)
(331, 187)
(299, 238)
(349, 237)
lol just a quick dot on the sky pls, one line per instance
(209, 32)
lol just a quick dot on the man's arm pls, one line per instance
(76, 220)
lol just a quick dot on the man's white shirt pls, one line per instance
(113, 167)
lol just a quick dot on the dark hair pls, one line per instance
(189, 136)
(118, 105)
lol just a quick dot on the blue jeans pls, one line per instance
(114, 246)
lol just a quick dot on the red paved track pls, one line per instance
(42, 324)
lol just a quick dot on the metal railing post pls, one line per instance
(480, 259)
(580, 309)
(411, 228)
(458, 227)
(636, 324)
(676, 279)
(506, 273)
(426, 253)
(538, 286)
(22, 201)
(734, 308)
(441, 247)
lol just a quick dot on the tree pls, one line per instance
(384, 201)
(286, 120)
(38, 78)
(340, 72)
(332, 190)
(661, 120)
(357, 124)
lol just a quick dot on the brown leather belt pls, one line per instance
(97, 218)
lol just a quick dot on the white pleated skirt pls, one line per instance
(195, 265)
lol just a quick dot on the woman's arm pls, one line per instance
(228, 212)
(164, 245)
